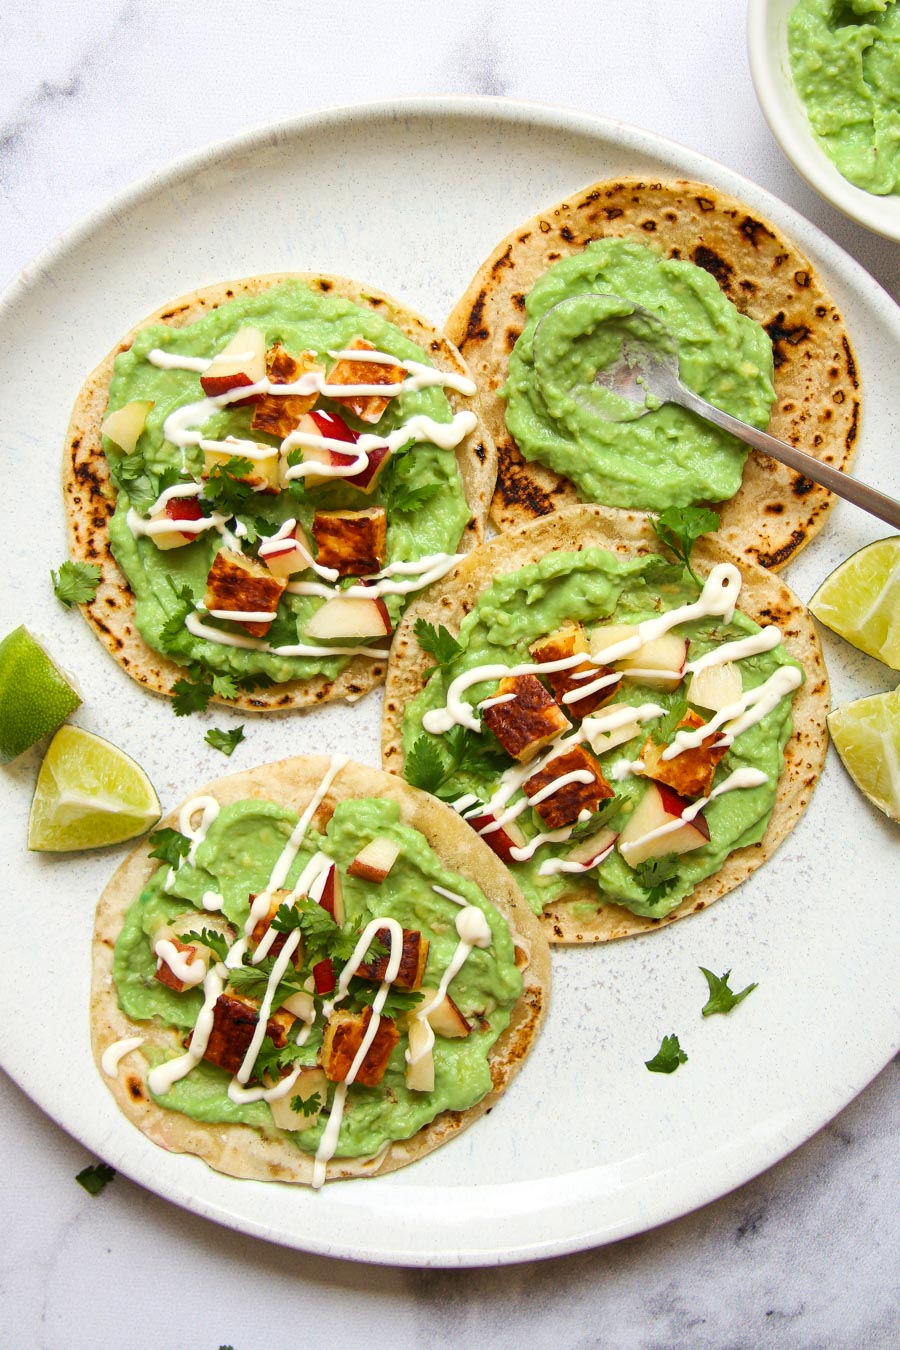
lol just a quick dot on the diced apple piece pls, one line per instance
(279, 414)
(565, 804)
(502, 840)
(353, 542)
(343, 1037)
(647, 833)
(594, 849)
(332, 896)
(264, 476)
(446, 1019)
(324, 977)
(413, 959)
(600, 739)
(610, 635)
(242, 584)
(569, 640)
(310, 1083)
(349, 618)
(125, 426)
(716, 687)
(368, 407)
(689, 773)
(375, 860)
(242, 362)
(527, 722)
(301, 1005)
(176, 508)
(284, 557)
(420, 1066)
(659, 664)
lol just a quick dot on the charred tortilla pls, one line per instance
(577, 915)
(762, 273)
(267, 1154)
(90, 496)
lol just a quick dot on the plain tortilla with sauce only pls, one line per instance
(90, 497)
(817, 408)
(578, 916)
(241, 1150)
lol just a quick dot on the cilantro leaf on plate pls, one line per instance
(170, 846)
(75, 583)
(95, 1177)
(668, 1056)
(438, 642)
(721, 998)
(226, 741)
(680, 526)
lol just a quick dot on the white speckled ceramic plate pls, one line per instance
(587, 1146)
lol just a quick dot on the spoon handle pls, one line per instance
(876, 503)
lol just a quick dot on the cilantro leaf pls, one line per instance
(398, 1001)
(680, 526)
(658, 875)
(171, 846)
(216, 942)
(583, 829)
(321, 935)
(95, 1177)
(405, 500)
(274, 1060)
(668, 1056)
(438, 642)
(282, 631)
(425, 766)
(191, 696)
(173, 628)
(307, 1107)
(225, 487)
(226, 741)
(253, 980)
(76, 583)
(248, 682)
(663, 729)
(224, 686)
(721, 998)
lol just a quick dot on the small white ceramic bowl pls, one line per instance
(771, 71)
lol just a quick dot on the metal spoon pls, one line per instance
(645, 377)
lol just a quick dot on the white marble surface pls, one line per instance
(93, 97)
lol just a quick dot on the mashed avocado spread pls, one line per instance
(593, 588)
(421, 491)
(668, 457)
(845, 60)
(234, 861)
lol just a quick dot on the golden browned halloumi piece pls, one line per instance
(344, 1032)
(262, 927)
(234, 1022)
(164, 972)
(568, 640)
(242, 584)
(368, 407)
(353, 542)
(527, 722)
(413, 957)
(564, 806)
(690, 773)
(279, 414)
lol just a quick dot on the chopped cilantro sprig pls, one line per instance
(438, 642)
(226, 741)
(430, 765)
(96, 1177)
(668, 1056)
(170, 846)
(75, 583)
(721, 998)
(679, 527)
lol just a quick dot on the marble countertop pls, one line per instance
(94, 97)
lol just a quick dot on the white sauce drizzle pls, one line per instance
(421, 571)
(113, 1054)
(750, 708)
(200, 629)
(187, 966)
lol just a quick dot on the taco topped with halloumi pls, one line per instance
(265, 471)
(631, 735)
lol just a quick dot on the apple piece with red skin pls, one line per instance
(591, 851)
(324, 976)
(332, 897)
(659, 807)
(375, 860)
(502, 841)
(291, 554)
(350, 618)
(334, 428)
(184, 508)
(125, 426)
(241, 362)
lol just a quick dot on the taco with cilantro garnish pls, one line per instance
(264, 471)
(632, 733)
(313, 972)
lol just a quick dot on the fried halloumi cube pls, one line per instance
(353, 542)
(279, 414)
(234, 1022)
(528, 721)
(564, 806)
(235, 582)
(568, 640)
(690, 773)
(344, 1032)
(413, 957)
(368, 407)
(164, 972)
(261, 928)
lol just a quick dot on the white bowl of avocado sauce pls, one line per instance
(831, 37)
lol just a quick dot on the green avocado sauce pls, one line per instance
(301, 320)
(845, 60)
(668, 457)
(236, 859)
(595, 587)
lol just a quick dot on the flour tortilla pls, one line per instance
(240, 1150)
(90, 496)
(817, 408)
(764, 598)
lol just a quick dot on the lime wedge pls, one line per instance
(34, 695)
(89, 793)
(866, 735)
(860, 600)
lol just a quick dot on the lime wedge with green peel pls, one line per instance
(34, 694)
(866, 735)
(860, 600)
(89, 793)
